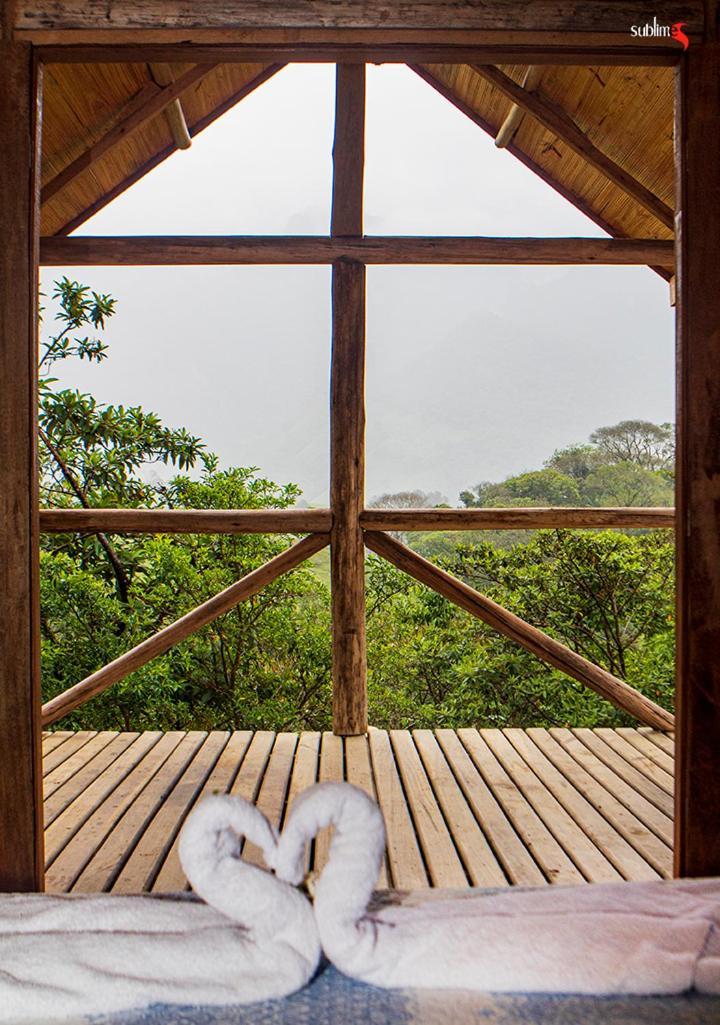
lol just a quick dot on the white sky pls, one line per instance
(473, 372)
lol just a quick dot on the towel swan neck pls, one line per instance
(271, 909)
(348, 879)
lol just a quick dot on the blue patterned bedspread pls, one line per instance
(333, 999)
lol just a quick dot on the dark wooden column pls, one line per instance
(347, 412)
(697, 140)
(21, 851)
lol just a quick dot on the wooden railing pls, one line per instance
(373, 524)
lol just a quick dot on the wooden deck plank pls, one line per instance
(66, 750)
(654, 851)
(249, 777)
(461, 807)
(637, 758)
(643, 809)
(274, 789)
(73, 775)
(651, 750)
(358, 771)
(76, 854)
(407, 870)
(481, 865)
(623, 768)
(665, 741)
(171, 878)
(139, 871)
(600, 829)
(441, 857)
(52, 740)
(304, 775)
(64, 827)
(589, 858)
(107, 862)
(549, 854)
(332, 769)
(510, 851)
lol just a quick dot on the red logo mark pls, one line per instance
(676, 31)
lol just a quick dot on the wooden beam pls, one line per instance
(186, 521)
(182, 628)
(168, 16)
(578, 49)
(87, 250)
(347, 412)
(697, 774)
(21, 819)
(556, 120)
(513, 119)
(122, 131)
(173, 113)
(175, 18)
(621, 694)
(157, 158)
(515, 519)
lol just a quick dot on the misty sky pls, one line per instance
(473, 372)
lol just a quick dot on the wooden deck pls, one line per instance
(465, 807)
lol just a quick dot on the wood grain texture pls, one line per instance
(186, 521)
(541, 16)
(227, 250)
(526, 808)
(347, 486)
(513, 519)
(155, 105)
(21, 835)
(561, 124)
(348, 47)
(347, 413)
(697, 138)
(507, 623)
(176, 632)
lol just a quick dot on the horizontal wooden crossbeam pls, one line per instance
(182, 628)
(621, 694)
(514, 519)
(177, 17)
(161, 250)
(207, 47)
(186, 521)
(308, 521)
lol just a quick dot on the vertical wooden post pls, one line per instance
(347, 412)
(21, 836)
(697, 142)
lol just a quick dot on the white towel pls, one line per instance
(627, 938)
(65, 955)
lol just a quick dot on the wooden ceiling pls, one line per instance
(106, 125)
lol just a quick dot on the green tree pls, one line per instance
(267, 661)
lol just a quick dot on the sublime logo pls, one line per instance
(654, 29)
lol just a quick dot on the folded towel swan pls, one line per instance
(254, 939)
(625, 938)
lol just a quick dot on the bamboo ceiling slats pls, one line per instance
(625, 112)
(84, 102)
